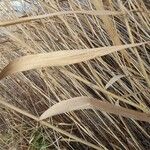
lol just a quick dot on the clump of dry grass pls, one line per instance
(100, 50)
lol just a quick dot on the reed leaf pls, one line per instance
(60, 58)
(80, 103)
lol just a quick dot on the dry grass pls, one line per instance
(89, 32)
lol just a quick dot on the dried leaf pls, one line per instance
(59, 58)
(79, 103)
(113, 80)
(32, 18)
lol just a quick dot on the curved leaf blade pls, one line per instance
(80, 103)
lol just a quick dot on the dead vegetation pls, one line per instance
(56, 50)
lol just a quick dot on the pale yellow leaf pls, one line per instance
(59, 58)
(113, 80)
(80, 103)
(32, 18)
